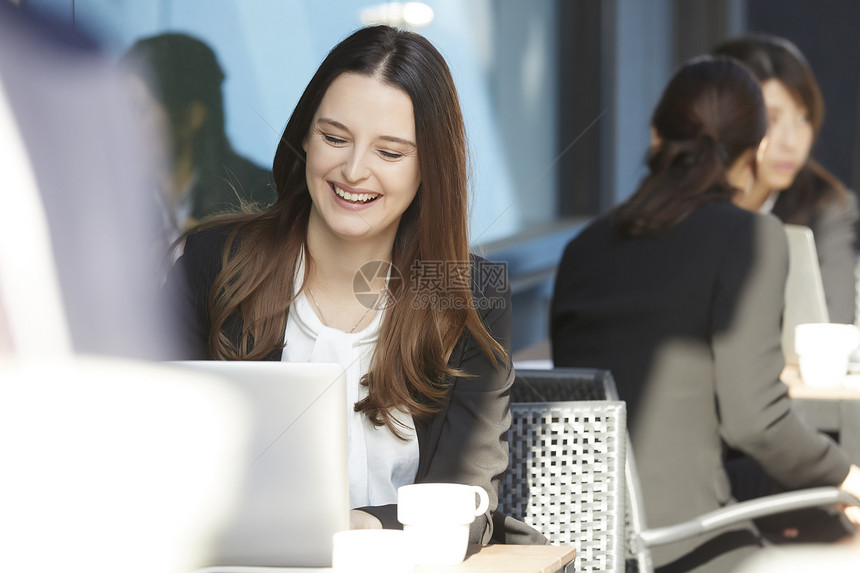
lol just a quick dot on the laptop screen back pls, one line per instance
(296, 489)
(804, 291)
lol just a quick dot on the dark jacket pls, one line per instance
(689, 324)
(236, 180)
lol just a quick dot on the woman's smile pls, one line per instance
(353, 196)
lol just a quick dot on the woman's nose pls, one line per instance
(788, 136)
(355, 167)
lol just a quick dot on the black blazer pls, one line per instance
(689, 324)
(237, 179)
(466, 441)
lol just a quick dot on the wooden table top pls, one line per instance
(510, 558)
(488, 559)
(848, 390)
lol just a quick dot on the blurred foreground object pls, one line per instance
(110, 466)
(90, 165)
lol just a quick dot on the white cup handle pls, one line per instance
(485, 500)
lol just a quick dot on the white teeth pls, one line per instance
(355, 197)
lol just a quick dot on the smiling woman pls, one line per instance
(362, 169)
(371, 161)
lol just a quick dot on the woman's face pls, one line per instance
(789, 137)
(362, 159)
(153, 121)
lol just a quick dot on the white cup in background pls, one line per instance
(436, 519)
(371, 551)
(823, 350)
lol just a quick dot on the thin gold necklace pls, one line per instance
(325, 322)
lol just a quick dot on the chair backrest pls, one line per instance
(566, 477)
(579, 384)
(563, 385)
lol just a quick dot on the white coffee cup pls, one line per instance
(371, 551)
(823, 350)
(436, 519)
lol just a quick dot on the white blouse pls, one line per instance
(379, 462)
(768, 204)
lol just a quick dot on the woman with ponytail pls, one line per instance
(678, 292)
(371, 160)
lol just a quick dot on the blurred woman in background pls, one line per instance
(176, 82)
(679, 293)
(789, 183)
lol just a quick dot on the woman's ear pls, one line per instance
(741, 173)
(197, 114)
(762, 149)
(655, 139)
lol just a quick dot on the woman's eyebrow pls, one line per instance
(400, 140)
(391, 138)
(333, 123)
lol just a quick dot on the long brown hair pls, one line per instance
(774, 58)
(256, 282)
(709, 115)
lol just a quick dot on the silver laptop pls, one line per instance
(804, 291)
(295, 495)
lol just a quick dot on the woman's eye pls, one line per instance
(333, 140)
(390, 154)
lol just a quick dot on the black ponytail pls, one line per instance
(710, 114)
(683, 175)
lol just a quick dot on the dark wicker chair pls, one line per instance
(568, 418)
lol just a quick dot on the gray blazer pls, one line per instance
(689, 324)
(835, 237)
